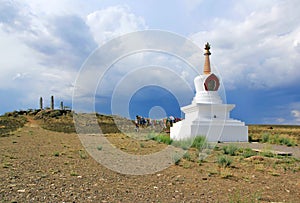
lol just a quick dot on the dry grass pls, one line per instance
(8, 124)
(256, 132)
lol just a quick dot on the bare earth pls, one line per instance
(38, 165)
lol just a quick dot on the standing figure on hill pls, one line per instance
(41, 103)
(172, 120)
(136, 126)
(52, 103)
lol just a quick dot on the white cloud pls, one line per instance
(261, 50)
(288, 114)
(191, 5)
(55, 7)
(296, 115)
(280, 120)
(42, 48)
(114, 21)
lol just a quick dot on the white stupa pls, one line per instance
(207, 115)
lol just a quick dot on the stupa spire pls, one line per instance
(206, 69)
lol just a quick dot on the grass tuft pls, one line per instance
(248, 152)
(82, 154)
(161, 138)
(230, 150)
(200, 143)
(277, 139)
(56, 153)
(184, 144)
(73, 173)
(176, 159)
(224, 161)
(187, 156)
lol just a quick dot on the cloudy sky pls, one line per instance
(255, 50)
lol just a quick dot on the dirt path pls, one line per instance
(31, 122)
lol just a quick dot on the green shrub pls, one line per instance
(163, 139)
(200, 143)
(248, 152)
(250, 138)
(99, 147)
(265, 138)
(187, 156)
(216, 148)
(276, 139)
(73, 173)
(176, 158)
(230, 149)
(151, 136)
(224, 161)
(267, 153)
(55, 114)
(287, 141)
(82, 154)
(184, 144)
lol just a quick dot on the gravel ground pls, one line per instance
(44, 166)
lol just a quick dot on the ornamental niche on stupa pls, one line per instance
(207, 115)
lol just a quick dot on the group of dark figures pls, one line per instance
(162, 123)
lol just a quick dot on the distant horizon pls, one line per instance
(48, 108)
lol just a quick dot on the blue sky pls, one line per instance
(255, 48)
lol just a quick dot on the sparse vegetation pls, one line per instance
(82, 154)
(187, 156)
(151, 136)
(224, 160)
(7, 165)
(73, 173)
(11, 122)
(276, 134)
(56, 153)
(265, 138)
(56, 120)
(287, 141)
(176, 159)
(230, 149)
(277, 139)
(267, 153)
(225, 173)
(247, 152)
(200, 143)
(238, 197)
(184, 144)
(162, 139)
